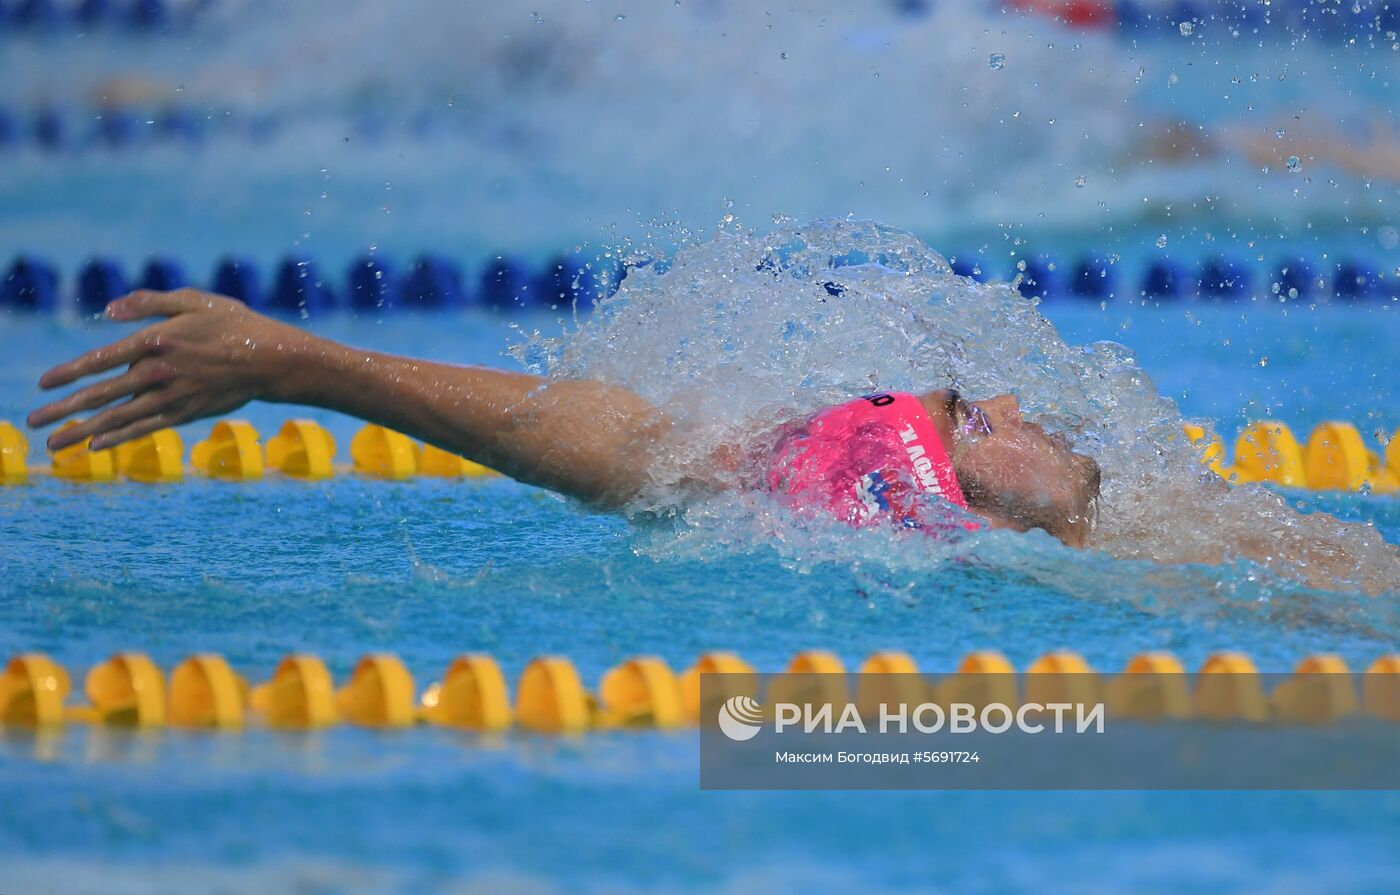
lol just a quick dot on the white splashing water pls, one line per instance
(744, 330)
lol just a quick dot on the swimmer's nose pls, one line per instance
(1004, 409)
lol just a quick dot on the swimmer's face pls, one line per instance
(1015, 473)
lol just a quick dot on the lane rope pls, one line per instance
(205, 692)
(1335, 457)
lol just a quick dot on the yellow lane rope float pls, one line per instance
(1334, 457)
(81, 464)
(301, 449)
(383, 453)
(158, 457)
(14, 451)
(204, 692)
(231, 452)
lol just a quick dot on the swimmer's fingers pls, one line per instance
(145, 406)
(145, 303)
(143, 426)
(144, 374)
(99, 360)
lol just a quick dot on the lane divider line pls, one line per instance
(129, 690)
(1334, 458)
(301, 449)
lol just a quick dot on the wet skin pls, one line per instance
(1016, 475)
(207, 355)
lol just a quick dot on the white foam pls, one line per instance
(741, 332)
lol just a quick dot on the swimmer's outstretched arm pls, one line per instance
(211, 355)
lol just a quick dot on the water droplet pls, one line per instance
(1080, 180)
(996, 61)
(1186, 28)
(783, 55)
(1264, 361)
(1162, 241)
(1279, 133)
(1295, 164)
(619, 18)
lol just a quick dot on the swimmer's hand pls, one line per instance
(211, 355)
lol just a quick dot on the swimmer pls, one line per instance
(876, 458)
(1368, 147)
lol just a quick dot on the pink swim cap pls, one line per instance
(865, 458)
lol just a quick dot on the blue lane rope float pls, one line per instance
(49, 130)
(1217, 277)
(373, 283)
(163, 275)
(1093, 278)
(506, 283)
(30, 284)
(1335, 456)
(433, 283)
(100, 282)
(205, 692)
(299, 285)
(1295, 278)
(1163, 279)
(113, 127)
(1224, 278)
(9, 130)
(48, 17)
(239, 278)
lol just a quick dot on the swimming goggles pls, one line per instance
(968, 419)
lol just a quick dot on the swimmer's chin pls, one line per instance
(1072, 536)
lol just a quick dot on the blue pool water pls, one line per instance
(428, 569)
(330, 130)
